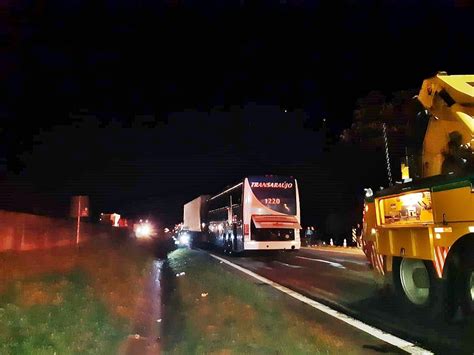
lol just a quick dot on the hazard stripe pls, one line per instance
(437, 263)
(375, 259)
(445, 254)
(381, 264)
(372, 256)
(440, 254)
(378, 259)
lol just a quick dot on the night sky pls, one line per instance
(143, 105)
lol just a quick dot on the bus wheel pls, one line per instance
(225, 244)
(228, 245)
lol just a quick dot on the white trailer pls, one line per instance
(194, 229)
(194, 214)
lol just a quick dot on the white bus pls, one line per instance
(259, 213)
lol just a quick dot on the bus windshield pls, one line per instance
(277, 193)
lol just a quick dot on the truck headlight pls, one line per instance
(144, 231)
(184, 239)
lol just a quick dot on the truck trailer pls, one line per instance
(194, 226)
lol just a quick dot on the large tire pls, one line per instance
(226, 244)
(466, 289)
(412, 292)
(235, 246)
(417, 287)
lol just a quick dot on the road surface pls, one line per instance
(344, 281)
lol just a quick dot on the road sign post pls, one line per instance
(78, 220)
(79, 208)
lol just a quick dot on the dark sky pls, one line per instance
(145, 104)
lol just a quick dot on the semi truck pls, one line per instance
(194, 221)
(419, 234)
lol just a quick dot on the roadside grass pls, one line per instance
(212, 310)
(71, 301)
(57, 314)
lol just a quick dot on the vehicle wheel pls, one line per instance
(467, 282)
(229, 245)
(416, 283)
(235, 246)
(226, 244)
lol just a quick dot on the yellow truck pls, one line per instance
(419, 234)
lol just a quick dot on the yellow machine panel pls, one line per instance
(457, 205)
(406, 209)
(408, 242)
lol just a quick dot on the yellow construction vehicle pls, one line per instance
(419, 234)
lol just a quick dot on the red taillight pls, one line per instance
(246, 229)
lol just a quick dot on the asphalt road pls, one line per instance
(345, 282)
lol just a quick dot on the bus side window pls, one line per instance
(237, 196)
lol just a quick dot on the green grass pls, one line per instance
(237, 316)
(56, 314)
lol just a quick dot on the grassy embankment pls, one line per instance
(68, 301)
(211, 309)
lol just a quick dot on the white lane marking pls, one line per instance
(347, 251)
(375, 332)
(323, 261)
(351, 260)
(289, 265)
(363, 263)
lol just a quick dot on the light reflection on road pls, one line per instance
(323, 261)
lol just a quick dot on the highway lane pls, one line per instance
(345, 282)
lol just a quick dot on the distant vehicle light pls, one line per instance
(144, 231)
